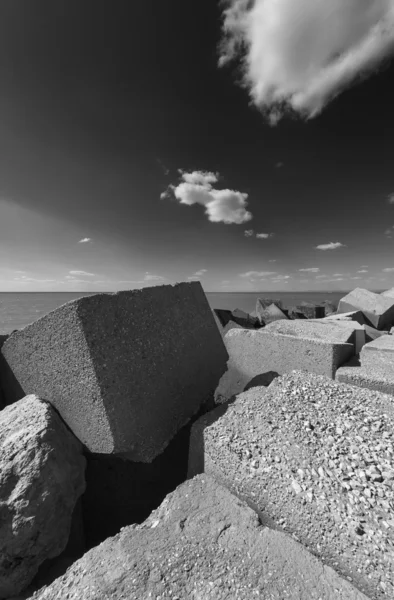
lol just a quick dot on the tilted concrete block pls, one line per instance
(380, 378)
(379, 353)
(378, 309)
(256, 352)
(272, 313)
(126, 371)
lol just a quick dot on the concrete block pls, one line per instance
(388, 293)
(357, 331)
(373, 334)
(379, 353)
(355, 315)
(272, 313)
(3, 339)
(125, 371)
(256, 352)
(277, 448)
(245, 319)
(380, 378)
(311, 311)
(263, 303)
(378, 309)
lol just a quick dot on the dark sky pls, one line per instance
(101, 102)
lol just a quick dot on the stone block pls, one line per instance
(256, 352)
(272, 313)
(356, 330)
(311, 311)
(372, 334)
(380, 378)
(42, 476)
(388, 293)
(201, 543)
(355, 315)
(379, 353)
(245, 319)
(378, 309)
(287, 449)
(294, 313)
(263, 303)
(126, 371)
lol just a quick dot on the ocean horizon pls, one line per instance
(18, 309)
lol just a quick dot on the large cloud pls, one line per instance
(221, 206)
(300, 54)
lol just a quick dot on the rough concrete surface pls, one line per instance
(359, 336)
(269, 312)
(388, 293)
(316, 330)
(354, 315)
(256, 352)
(42, 476)
(202, 543)
(379, 353)
(3, 338)
(380, 378)
(378, 309)
(126, 371)
(311, 311)
(314, 457)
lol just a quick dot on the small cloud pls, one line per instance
(356, 277)
(279, 165)
(390, 198)
(389, 232)
(221, 206)
(163, 167)
(310, 270)
(85, 241)
(321, 276)
(197, 275)
(362, 271)
(273, 260)
(388, 270)
(330, 246)
(364, 267)
(264, 236)
(83, 273)
(257, 274)
(248, 232)
(338, 275)
(151, 277)
(282, 277)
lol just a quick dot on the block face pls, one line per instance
(316, 330)
(379, 352)
(256, 352)
(271, 314)
(50, 358)
(202, 543)
(378, 309)
(298, 453)
(380, 378)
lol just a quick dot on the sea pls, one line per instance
(18, 309)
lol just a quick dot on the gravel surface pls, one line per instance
(316, 456)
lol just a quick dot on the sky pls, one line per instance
(247, 144)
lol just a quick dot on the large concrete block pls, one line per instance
(380, 378)
(356, 331)
(202, 543)
(313, 457)
(378, 309)
(271, 314)
(388, 293)
(256, 352)
(311, 311)
(379, 353)
(126, 371)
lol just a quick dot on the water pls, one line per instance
(19, 309)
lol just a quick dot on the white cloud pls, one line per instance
(85, 240)
(264, 236)
(85, 273)
(390, 198)
(279, 165)
(281, 277)
(248, 232)
(388, 270)
(362, 271)
(272, 260)
(338, 275)
(197, 275)
(321, 276)
(257, 274)
(151, 277)
(389, 232)
(330, 246)
(310, 270)
(299, 54)
(221, 206)
(25, 279)
(356, 277)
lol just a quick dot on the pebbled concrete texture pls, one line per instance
(126, 371)
(316, 330)
(354, 315)
(359, 336)
(380, 378)
(378, 353)
(202, 543)
(378, 309)
(388, 293)
(256, 352)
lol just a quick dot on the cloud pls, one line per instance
(279, 165)
(85, 240)
(388, 270)
(257, 274)
(264, 236)
(356, 277)
(338, 275)
(297, 55)
(25, 279)
(85, 273)
(362, 271)
(272, 260)
(197, 275)
(248, 232)
(310, 270)
(321, 276)
(151, 277)
(330, 246)
(389, 232)
(364, 267)
(221, 206)
(390, 198)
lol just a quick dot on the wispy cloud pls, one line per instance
(221, 206)
(82, 273)
(362, 271)
(249, 233)
(85, 240)
(330, 246)
(338, 275)
(25, 279)
(310, 270)
(151, 277)
(390, 198)
(273, 260)
(257, 274)
(389, 232)
(281, 277)
(321, 276)
(264, 236)
(197, 275)
(388, 270)
(356, 277)
(299, 54)
(279, 165)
